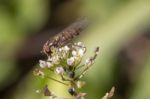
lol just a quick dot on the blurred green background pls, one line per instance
(120, 27)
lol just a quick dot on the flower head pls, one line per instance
(65, 61)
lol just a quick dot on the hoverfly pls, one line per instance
(65, 35)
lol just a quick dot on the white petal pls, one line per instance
(70, 61)
(81, 52)
(74, 53)
(60, 49)
(88, 61)
(42, 64)
(49, 64)
(59, 70)
(55, 59)
(49, 59)
(79, 43)
(66, 48)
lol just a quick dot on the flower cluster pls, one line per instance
(66, 62)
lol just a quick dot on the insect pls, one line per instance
(65, 35)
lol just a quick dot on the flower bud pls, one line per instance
(71, 74)
(72, 91)
(89, 62)
(80, 84)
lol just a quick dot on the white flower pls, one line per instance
(59, 70)
(79, 49)
(81, 52)
(65, 52)
(66, 48)
(49, 58)
(60, 49)
(80, 43)
(42, 64)
(49, 64)
(71, 61)
(88, 61)
(55, 59)
(74, 53)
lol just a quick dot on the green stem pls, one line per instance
(57, 80)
